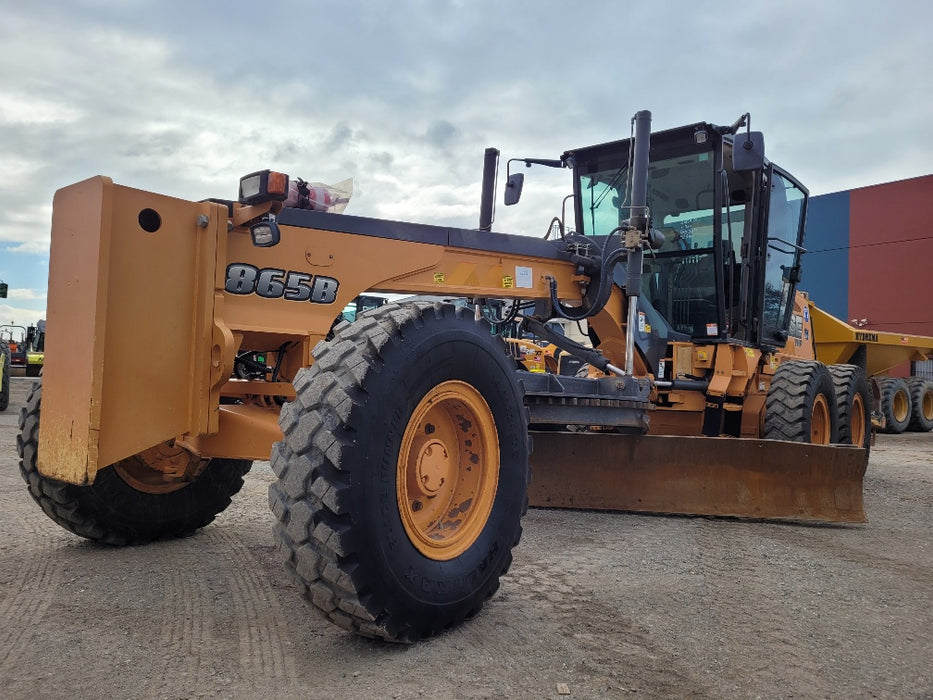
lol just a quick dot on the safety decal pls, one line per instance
(523, 277)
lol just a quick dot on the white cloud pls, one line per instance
(22, 108)
(183, 98)
(30, 294)
(27, 229)
(18, 316)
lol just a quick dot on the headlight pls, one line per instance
(263, 186)
(265, 233)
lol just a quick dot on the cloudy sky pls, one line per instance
(185, 97)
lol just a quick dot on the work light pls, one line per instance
(265, 233)
(263, 186)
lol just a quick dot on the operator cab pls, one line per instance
(730, 259)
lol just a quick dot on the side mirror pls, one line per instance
(748, 151)
(790, 273)
(513, 188)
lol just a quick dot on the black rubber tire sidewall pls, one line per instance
(919, 388)
(5, 377)
(890, 387)
(109, 510)
(430, 589)
(791, 397)
(850, 381)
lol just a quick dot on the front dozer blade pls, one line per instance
(747, 478)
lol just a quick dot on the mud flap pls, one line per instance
(747, 478)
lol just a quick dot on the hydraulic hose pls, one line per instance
(581, 352)
(603, 291)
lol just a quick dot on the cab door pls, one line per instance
(782, 246)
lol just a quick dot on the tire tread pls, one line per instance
(99, 511)
(319, 555)
(787, 413)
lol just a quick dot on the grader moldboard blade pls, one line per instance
(747, 478)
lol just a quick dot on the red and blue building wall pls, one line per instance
(871, 256)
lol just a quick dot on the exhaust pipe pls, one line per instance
(488, 197)
(638, 221)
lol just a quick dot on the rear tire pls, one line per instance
(111, 510)
(921, 404)
(4, 376)
(801, 404)
(895, 405)
(853, 401)
(403, 475)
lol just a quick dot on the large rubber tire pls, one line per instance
(408, 390)
(853, 401)
(801, 404)
(921, 404)
(895, 405)
(110, 510)
(4, 376)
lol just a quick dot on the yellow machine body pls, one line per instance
(142, 338)
(837, 341)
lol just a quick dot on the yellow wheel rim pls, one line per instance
(857, 421)
(900, 406)
(448, 470)
(820, 425)
(926, 405)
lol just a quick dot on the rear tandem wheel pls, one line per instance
(853, 399)
(403, 473)
(129, 502)
(801, 404)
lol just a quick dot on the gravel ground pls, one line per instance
(596, 605)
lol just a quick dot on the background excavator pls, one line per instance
(402, 442)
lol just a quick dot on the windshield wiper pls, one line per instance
(613, 184)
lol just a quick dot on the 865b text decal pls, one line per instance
(272, 283)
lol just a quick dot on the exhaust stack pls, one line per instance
(638, 222)
(487, 199)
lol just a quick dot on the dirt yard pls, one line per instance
(596, 606)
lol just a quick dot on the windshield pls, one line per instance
(680, 280)
(680, 190)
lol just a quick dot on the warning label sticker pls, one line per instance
(523, 278)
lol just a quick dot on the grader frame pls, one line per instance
(157, 364)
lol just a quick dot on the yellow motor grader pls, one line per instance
(402, 445)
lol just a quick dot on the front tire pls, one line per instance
(403, 475)
(128, 503)
(801, 404)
